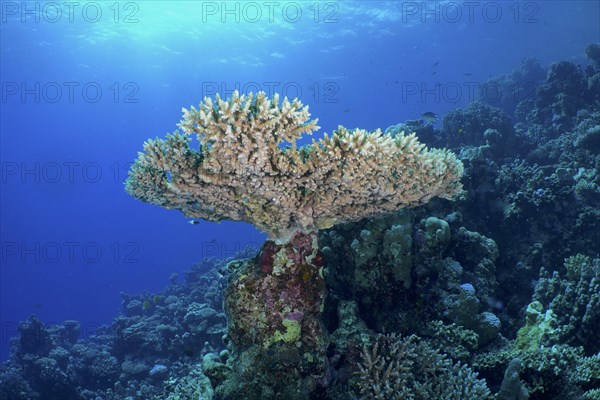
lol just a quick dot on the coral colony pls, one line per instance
(243, 173)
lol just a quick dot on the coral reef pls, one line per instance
(510, 92)
(148, 352)
(558, 343)
(539, 202)
(560, 97)
(467, 127)
(394, 267)
(242, 172)
(448, 300)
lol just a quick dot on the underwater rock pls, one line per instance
(463, 307)
(274, 307)
(351, 327)
(215, 369)
(512, 388)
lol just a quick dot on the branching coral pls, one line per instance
(395, 368)
(575, 299)
(249, 168)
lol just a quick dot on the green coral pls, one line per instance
(291, 335)
(457, 341)
(593, 394)
(547, 369)
(587, 371)
(557, 360)
(575, 299)
(538, 325)
(550, 366)
(437, 232)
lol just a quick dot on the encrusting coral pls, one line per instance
(248, 168)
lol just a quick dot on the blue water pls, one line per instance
(82, 89)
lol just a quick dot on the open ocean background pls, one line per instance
(83, 87)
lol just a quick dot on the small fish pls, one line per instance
(435, 64)
(429, 117)
(346, 110)
(38, 305)
(193, 222)
(467, 74)
(434, 72)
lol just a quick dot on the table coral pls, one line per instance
(249, 168)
